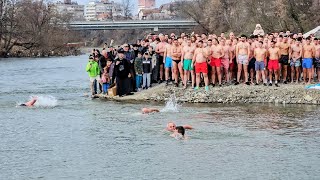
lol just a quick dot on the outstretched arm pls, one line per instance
(187, 126)
(31, 102)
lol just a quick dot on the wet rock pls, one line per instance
(308, 98)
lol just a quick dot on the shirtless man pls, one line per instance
(242, 54)
(226, 59)
(273, 65)
(233, 63)
(160, 49)
(199, 61)
(284, 47)
(317, 57)
(30, 103)
(176, 52)
(295, 57)
(308, 52)
(253, 41)
(171, 126)
(168, 60)
(149, 110)
(186, 58)
(216, 53)
(260, 55)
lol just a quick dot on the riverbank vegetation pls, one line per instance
(216, 16)
(33, 28)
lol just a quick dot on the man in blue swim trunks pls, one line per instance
(308, 52)
(168, 60)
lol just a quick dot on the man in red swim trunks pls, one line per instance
(273, 65)
(216, 53)
(200, 62)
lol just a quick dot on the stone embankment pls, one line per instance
(285, 94)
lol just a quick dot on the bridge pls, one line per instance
(142, 24)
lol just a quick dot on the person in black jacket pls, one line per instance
(122, 74)
(102, 64)
(146, 70)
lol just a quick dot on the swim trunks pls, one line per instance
(215, 62)
(201, 68)
(307, 63)
(259, 66)
(317, 62)
(168, 62)
(176, 61)
(252, 64)
(284, 59)
(296, 63)
(187, 65)
(273, 64)
(160, 60)
(243, 59)
(225, 63)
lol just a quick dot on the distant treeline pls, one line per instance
(33, 28)
(241, 16)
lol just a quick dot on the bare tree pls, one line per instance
(127, 8)
(241, 16)
(33, 26)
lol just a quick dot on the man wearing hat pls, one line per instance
(122, 74)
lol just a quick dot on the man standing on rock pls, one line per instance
(242, 54)
(308, 52)
(122, 73)
(167, 60)
(273, 65)
(200, 62)
(176, 52)
(216, 53)
(295, 59)
(317, 57)
(260, 56)
(187, 55)
(284, 47)
(160, 49)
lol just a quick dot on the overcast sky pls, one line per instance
(134, 2)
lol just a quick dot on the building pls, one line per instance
(164, 12)
(72, 8)
(146, 4)
(102, 10)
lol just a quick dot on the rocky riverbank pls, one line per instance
(285, 94)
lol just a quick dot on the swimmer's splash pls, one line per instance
(44, 101)
(171, 104)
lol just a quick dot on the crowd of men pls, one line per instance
(200, 59)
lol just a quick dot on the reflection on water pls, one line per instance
(96, 139)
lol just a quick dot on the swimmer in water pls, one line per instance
(149, 110)
(179, 132)
(171, 126)
(30, 103)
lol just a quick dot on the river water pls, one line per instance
(69, 136)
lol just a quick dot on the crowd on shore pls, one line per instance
(198, 60)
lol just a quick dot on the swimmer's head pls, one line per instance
(22, 105)
(180, 130)
(171, 126)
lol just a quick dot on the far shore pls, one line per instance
(285, 94)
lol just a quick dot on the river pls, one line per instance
(69, 136)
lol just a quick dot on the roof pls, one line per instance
(149, 11)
